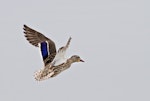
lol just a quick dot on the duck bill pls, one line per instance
(81, 60)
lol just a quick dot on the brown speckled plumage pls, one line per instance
(55, 70)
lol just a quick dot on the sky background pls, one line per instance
(111, 36)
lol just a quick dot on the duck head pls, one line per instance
(76, 58)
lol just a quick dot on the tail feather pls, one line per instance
(43, 74)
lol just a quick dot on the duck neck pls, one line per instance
(70, 61)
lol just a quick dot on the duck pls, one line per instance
(54, 61)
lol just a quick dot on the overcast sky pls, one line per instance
(111, 36)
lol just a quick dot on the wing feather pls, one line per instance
(60, 56)
(34, 37)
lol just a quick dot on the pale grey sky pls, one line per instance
(112, 36)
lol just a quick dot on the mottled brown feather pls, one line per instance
(34, 37)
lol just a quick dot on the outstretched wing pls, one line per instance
(60, 56)
(46, 45)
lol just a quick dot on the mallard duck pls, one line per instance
(54, 62)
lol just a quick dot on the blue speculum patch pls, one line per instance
(44, 49)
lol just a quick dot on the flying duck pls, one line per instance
(54, 62)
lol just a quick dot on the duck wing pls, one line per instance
(60, 56)
(47, 46)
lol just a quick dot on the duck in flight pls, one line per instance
(54, 62)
